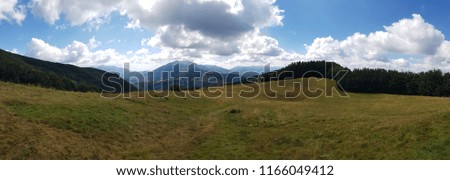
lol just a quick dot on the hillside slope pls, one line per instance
(25, 70)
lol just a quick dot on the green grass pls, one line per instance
(37, 123)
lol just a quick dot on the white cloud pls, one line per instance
(223, 28)
(441, 60)
(444, 50)
(10, 11)
(76, 53)
(193, 27)
(48, 9)
(223, 18)
(40, 49)
(411, 38)
(80, 54)
(182, 39)
(213, 18)
(15, 51)
(93, 43)
(225, 32)
(76, 12)
(323, 48)
(61, 27)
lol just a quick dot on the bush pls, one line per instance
(235, 111)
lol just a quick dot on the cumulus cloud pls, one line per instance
(214, 18)
(10, 11)
(225, 32)
(83, 54)
(440, 60)
(93, 43)
(76, 53)
(76, 12)
(205, 28)
(40, 49)
(195, 27)
(15, 51)
(144, 59)
(412, 38)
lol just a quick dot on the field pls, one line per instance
(38, 123)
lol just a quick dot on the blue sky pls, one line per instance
(306, 20)
(236, 33)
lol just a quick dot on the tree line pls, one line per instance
(430, 83)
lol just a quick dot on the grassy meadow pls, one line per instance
(38, 123)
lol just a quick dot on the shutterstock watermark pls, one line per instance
(184, 81)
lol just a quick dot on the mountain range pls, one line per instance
(199, 75)
(183, 74)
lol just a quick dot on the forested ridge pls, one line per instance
(24, 70)
(430, 83)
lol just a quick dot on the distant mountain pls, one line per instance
(111, 69)
(213, 68)
(25, 70)
(130, 77)
(253, 69)
(156, 75)
(186, 75)
(183, 66)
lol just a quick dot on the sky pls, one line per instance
(405, 35)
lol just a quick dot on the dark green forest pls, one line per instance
(430, 83)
